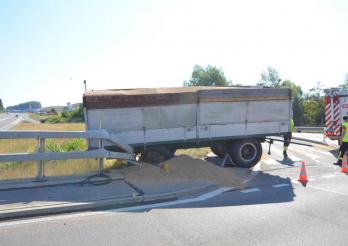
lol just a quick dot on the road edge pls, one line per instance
(105, 204)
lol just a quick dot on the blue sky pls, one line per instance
(47, 48)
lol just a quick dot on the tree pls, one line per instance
(314, 106)
(209, 76)
(345, 82)
(297, 96)
(1, 106)
(270, 78)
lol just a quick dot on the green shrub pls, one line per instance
(54, 119)
(76, 115)
(67, 146)
(73, 145)
(52, 146)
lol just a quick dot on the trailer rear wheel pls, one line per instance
(220, 149)
(156, 154)
(246, 153)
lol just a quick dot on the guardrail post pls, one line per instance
(101, 160)
(40, 163)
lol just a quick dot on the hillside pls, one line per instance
(25, 106)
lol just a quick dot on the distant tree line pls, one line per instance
(75, 115)
(308, 108)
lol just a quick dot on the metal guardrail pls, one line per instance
(41, 156)
(310, 128)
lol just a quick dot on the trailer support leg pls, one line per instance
(101, 160)
(228, 158)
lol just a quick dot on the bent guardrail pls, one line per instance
(41, 156)
(310, 128)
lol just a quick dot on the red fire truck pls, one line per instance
(336, 106)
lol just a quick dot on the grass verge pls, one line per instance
(28, 169)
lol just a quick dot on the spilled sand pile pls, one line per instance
(183, 168)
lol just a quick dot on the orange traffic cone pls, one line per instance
(303, 175)
(344, 164)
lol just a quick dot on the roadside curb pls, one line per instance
(6, 185)
(106, 203)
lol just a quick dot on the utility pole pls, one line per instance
(85, 85)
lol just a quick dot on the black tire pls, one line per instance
(220, 149)
(246, 153)
(156, 154)
(172, 149)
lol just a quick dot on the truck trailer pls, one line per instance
(156, 122)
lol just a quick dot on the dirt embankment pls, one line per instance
(183, 168)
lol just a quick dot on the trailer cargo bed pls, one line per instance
(188, 116)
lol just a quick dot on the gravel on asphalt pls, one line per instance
(183, 168)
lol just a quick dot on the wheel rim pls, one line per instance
(248, 152)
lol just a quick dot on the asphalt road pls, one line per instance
(8, 120)
(274, 210)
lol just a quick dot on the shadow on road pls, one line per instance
(334, 152)
(71, 194)
(264, 194)
(257, 188)
(288, 162)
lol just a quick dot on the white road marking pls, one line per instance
(250, 190)
(329, 176)
(291, 155)
(313, 156)
(294, 158)
(252, 176)
(280, 185)
(111, 211)
(11, 124)
(5, 118)
(308, 154)
(325, 153)
(257, 167)
(305, 151)
(270, 162)
(331, 191)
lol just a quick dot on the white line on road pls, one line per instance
(270, 162)
(250, 190)
(257, 167)
(200, 198)
(313, 156)
(331, 191)
(305, 151)
(325, 153)
(11, 124)
(280, 185)
(329, 176)
(5, 118)
(291, 155)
